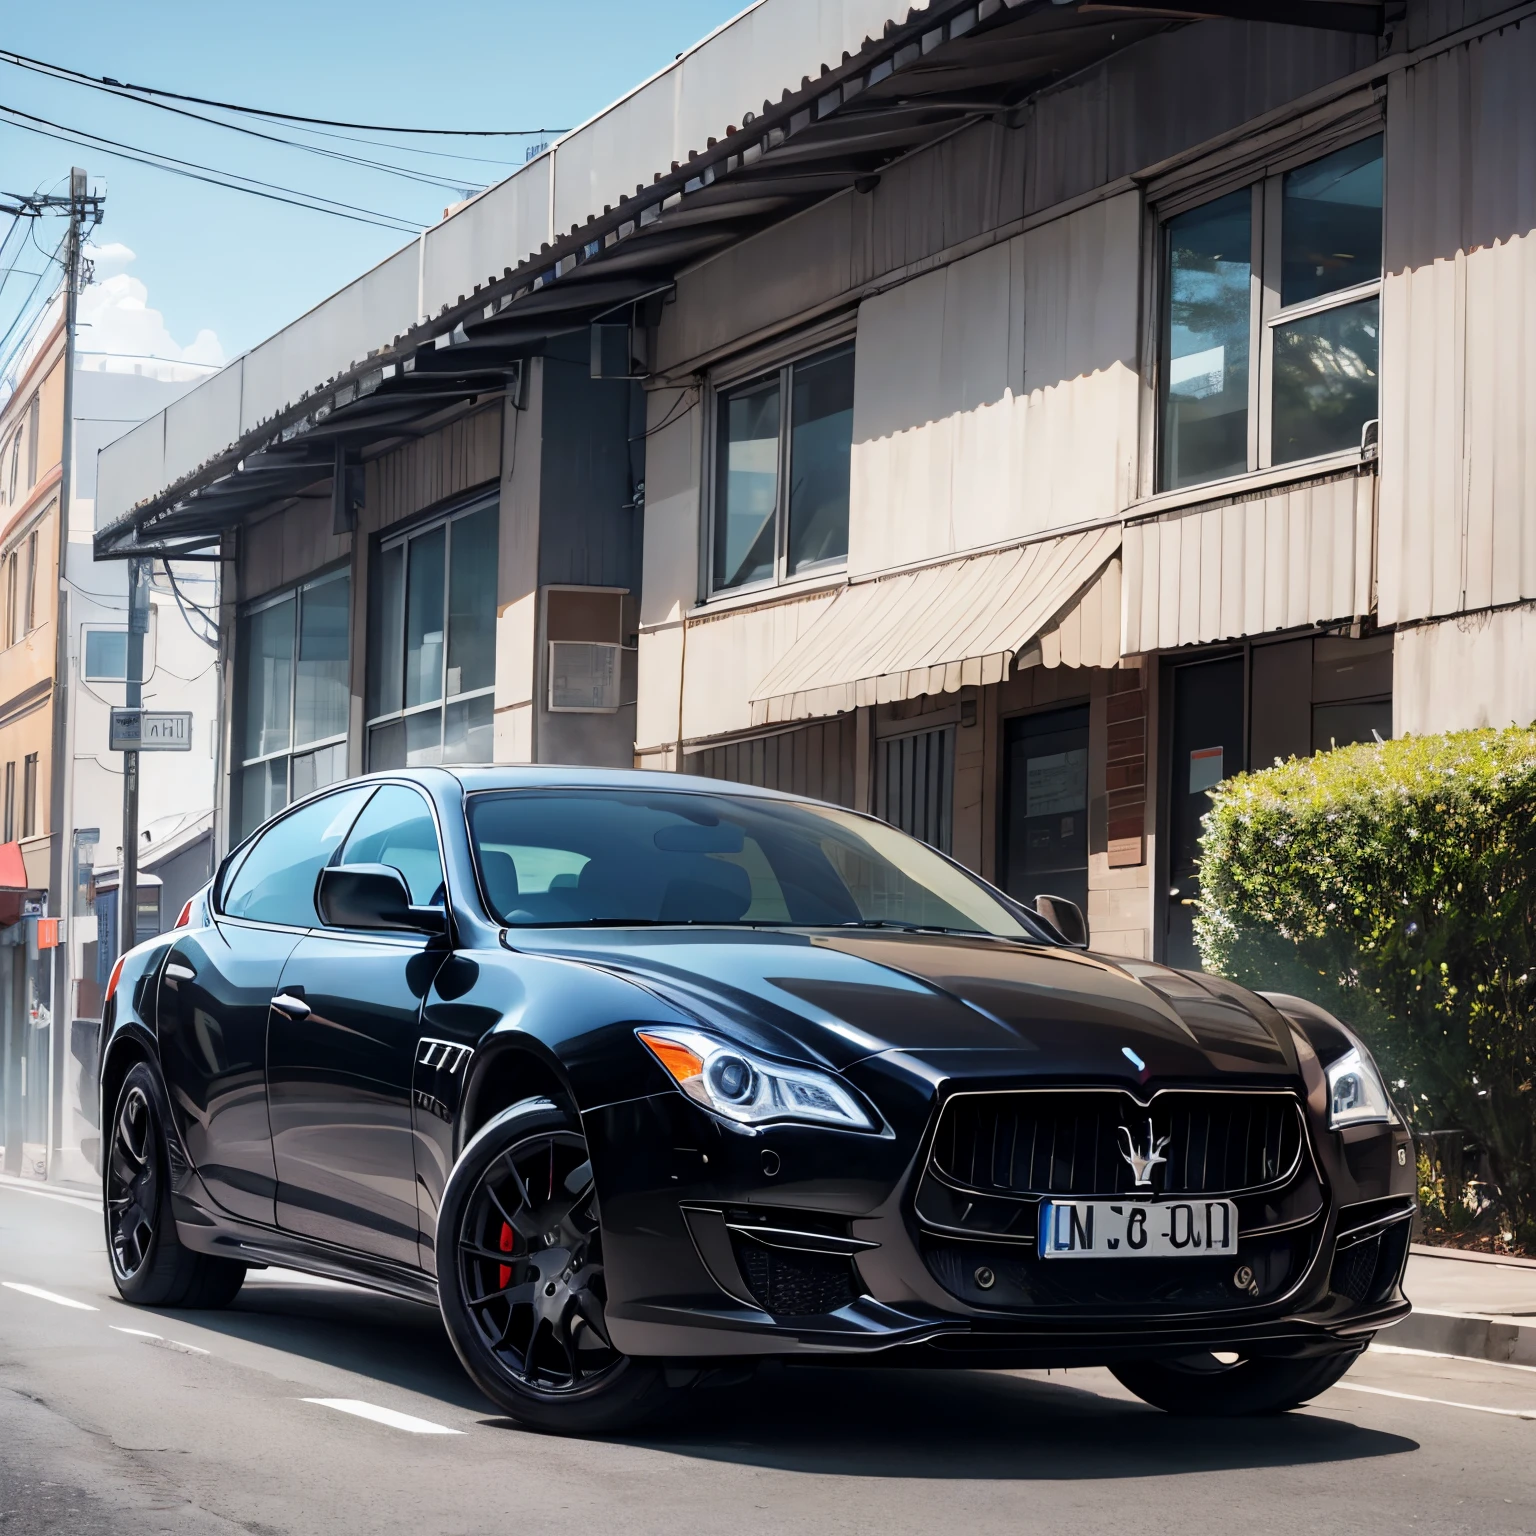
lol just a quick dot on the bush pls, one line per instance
(1395, 884)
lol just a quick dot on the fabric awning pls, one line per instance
(942, 627)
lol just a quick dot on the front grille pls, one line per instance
(794, 1284)
(1045, 1142)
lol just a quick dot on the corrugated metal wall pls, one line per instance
(1172, 92)
(1458, 437)
(997, 397)
(455, 458)
(728, 653)
(815, 760)
(1297, 555)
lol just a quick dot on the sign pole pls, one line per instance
(128, 870)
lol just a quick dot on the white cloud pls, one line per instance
(116, 318)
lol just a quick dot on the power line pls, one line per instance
(202, 117)
(230, 180)
(287, 117)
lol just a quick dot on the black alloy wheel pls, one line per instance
(1204, 1385)
(151, 1267)
(520, 1276)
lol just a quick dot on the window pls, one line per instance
(275, 881)
(432, 644)
(10, 802)
(1271, 320)
(106, 655)
(291, 730)
(34, 424)
(13, 629)
(29, 795)
(29, 585)
(782, 447)
(397, 829)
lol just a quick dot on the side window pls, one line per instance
(275, 882)
(397, 829)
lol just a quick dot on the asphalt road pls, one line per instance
(119, 1420)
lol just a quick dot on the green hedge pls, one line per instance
(1395, 884)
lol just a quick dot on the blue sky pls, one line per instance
(218, 261)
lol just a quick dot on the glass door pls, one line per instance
(1045, 805)
(1207, 745)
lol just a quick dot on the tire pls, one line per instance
(1203, 1386)
(151, 1267)
(526, 1313)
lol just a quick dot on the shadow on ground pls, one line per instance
(860, 1422)
(986, 1425)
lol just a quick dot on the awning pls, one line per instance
(948, 626)
(13, 868)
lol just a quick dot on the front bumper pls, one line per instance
(801, 1242)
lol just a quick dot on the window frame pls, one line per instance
(724, 388)
(402, 539)
(1265, 183)
(239, 765)
(230, 869)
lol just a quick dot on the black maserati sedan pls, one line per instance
(644, 1079)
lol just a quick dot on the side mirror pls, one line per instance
(1066, 917)
(373, 896)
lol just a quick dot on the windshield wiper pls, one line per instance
(890, 922)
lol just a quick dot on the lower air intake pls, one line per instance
(791, 1284)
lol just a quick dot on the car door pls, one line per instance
(215, 993)
(341, 1048)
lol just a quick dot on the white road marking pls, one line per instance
(387, 1416)
(1435, 1354)
(161, 1340)
(138, 1333)
(1439, 1402)
(42, 1295)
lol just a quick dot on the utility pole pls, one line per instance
(85, 211)
(128, 869)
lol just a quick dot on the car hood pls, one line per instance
(962, 1004)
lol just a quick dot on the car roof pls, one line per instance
(561, 776)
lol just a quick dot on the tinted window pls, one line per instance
(275, 882)
(618, 856)
(397, 829)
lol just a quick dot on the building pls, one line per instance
(62, 667)
(1008, 418)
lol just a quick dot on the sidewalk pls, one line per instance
(1471, 1304)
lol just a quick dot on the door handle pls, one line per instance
(290, 1006)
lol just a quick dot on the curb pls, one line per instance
(1473, 1338)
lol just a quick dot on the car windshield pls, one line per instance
(590, 857)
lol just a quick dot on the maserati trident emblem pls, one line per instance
(1142, 1163)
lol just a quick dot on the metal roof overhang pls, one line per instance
(943, 68)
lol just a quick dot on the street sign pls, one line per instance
(151, 730)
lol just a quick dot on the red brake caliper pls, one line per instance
(504, 1271)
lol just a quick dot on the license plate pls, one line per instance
(1136, 1229)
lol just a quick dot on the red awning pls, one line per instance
(13, 868)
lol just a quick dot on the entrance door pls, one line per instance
(1045, 805)
(342, 1046)
(1207, 746)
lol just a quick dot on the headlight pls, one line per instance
(1356, 1093)
(740, 1086)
